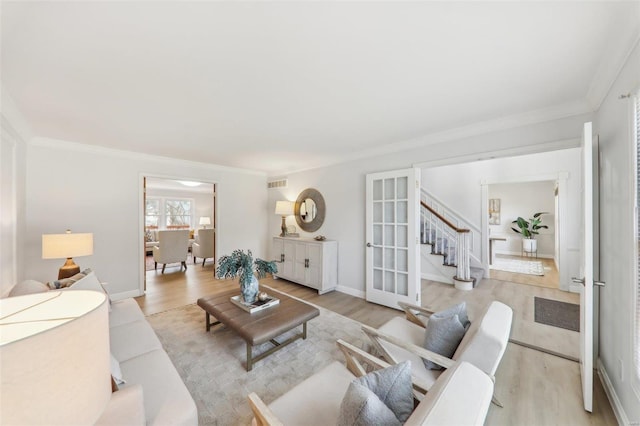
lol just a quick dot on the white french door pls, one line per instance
(392, 226)
(586, 267)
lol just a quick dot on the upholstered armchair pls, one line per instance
(203, 246)
(173, 247)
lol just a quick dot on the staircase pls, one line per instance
(449, 243)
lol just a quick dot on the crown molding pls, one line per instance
(610, 67)
(13, 117)
(553, 113)
(501, 153)
(100, 150)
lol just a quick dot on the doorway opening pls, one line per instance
(530, 256)
(184, 206)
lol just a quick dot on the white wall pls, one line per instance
(523, 199)
(343, 186)
(617, 240)
(13, 132)
(98, 190)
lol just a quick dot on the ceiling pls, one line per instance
(285, 86)
(176, 185)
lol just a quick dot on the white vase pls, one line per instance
(529, 245)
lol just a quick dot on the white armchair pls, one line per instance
(203, 246)
(173, 247)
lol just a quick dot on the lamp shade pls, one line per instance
(284, 208)
(55, 367)
(60, 246)
(205, 220)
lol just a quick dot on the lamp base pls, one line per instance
(69, 269)
(283, 227)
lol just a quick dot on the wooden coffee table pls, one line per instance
(259, 327)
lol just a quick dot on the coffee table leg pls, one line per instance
(207, 321)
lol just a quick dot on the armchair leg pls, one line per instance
(194, 259)
(496, 401)
(184, 263)
(203, 260)
(163, 266)
(155, 266)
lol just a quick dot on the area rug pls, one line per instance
(212, 364)
(530, 267)
(558, 314)
(149, 264)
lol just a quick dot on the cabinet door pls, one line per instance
(300, 263)
(277, 251)
(289, 250)
(313, 273)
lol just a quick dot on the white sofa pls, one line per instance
(143, 362)
(154, 393)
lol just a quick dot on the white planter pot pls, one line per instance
(529, 245)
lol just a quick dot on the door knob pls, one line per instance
(577, 280)
(369, 245)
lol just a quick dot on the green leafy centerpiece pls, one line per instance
(240, 264)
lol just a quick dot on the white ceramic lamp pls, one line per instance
(204, 221)
(55, 366)
(284, 209)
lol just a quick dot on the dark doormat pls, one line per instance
(558, 314)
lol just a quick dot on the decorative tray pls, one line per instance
(256, 306)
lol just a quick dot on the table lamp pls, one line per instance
(68, 245)
(205, 220)
(55, 367)
(284, 209)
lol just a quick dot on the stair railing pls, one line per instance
(440, 233)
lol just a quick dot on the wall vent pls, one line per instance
(280, 183)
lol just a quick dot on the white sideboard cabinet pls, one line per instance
(307, 261)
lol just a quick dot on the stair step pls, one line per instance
(477, 274)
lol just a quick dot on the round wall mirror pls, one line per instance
(310, 210)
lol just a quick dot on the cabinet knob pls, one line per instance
(282, 257)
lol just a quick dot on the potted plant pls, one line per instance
(529, 229)
(241, 264)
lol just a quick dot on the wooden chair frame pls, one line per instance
(357, 362)
(413, 314)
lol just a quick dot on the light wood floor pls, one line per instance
(536, 388)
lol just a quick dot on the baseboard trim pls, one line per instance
(351, 291)
(618, 410)
(437, 278)
(519, 253)
(125, 295)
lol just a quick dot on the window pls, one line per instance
(178, 213)
(152, 213)
(168, 213)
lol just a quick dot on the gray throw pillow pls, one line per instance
(361, 407)
(371, 398)
(460, 309)
(442, 336)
